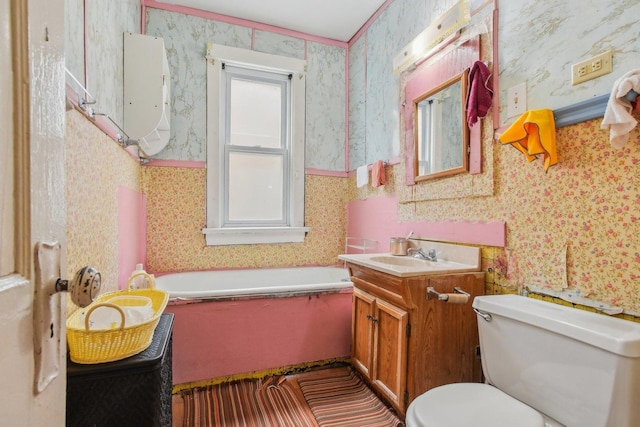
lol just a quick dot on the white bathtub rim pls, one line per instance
(194, 297)
(339, 282)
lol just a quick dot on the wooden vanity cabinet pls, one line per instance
(379, 348)
(405, 344)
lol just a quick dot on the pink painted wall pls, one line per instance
(132, 240)
(220, 338)
(377, 218)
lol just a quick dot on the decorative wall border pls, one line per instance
(581, 111)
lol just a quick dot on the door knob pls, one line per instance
(48, 316)
(83, 288)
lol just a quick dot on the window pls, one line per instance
(255, 147)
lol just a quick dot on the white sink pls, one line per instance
(451, 259)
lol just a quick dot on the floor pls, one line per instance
(178, 408)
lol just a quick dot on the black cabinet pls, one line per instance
(135, 391)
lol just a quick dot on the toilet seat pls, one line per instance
(470, 404)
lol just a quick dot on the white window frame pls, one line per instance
(215, 231)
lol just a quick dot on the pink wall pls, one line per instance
(377, 218)
(220, 338)
(132, 241)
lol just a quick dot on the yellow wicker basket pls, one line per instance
(90, 346)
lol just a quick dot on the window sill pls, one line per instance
(255, 235)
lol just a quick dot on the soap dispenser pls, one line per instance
(140, 279)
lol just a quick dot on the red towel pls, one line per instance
(378, 177)
(480, 95)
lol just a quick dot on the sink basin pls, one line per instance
(451, 259)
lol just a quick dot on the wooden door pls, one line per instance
(31, 197)
(362, 334)
(390, 352)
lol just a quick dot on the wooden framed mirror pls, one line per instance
(441, 134)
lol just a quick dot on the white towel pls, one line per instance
(618, 116)
(362, 176)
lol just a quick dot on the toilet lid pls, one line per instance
(470, 404)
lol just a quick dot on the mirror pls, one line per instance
(440, 130)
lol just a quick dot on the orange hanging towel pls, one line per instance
(534, 133)
(378, 177)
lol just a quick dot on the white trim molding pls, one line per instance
(215, 232)
(254, 235)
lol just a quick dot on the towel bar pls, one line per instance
(432, 293)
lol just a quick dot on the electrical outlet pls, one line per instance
(594, 67)
(517, 100)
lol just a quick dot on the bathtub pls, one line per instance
(260, 282)
(235, 322)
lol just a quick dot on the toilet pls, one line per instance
(544, 365)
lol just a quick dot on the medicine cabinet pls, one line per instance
(147, 92)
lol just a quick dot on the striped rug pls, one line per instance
(332, 397)
(338, 398)
(247, 403)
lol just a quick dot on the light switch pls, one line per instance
(517, 100)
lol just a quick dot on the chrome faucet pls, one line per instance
(419, 253)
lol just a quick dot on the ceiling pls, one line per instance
(333, 19)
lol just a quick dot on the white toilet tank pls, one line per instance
(577, 367)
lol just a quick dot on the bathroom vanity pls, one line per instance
(405, 339)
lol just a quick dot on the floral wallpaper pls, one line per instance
(176, 215)
(96, 165)
(573, 229)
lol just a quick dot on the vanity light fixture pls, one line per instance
(438, 34)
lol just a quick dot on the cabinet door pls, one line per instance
(444, 336)
(362, 334)
(390, 352)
